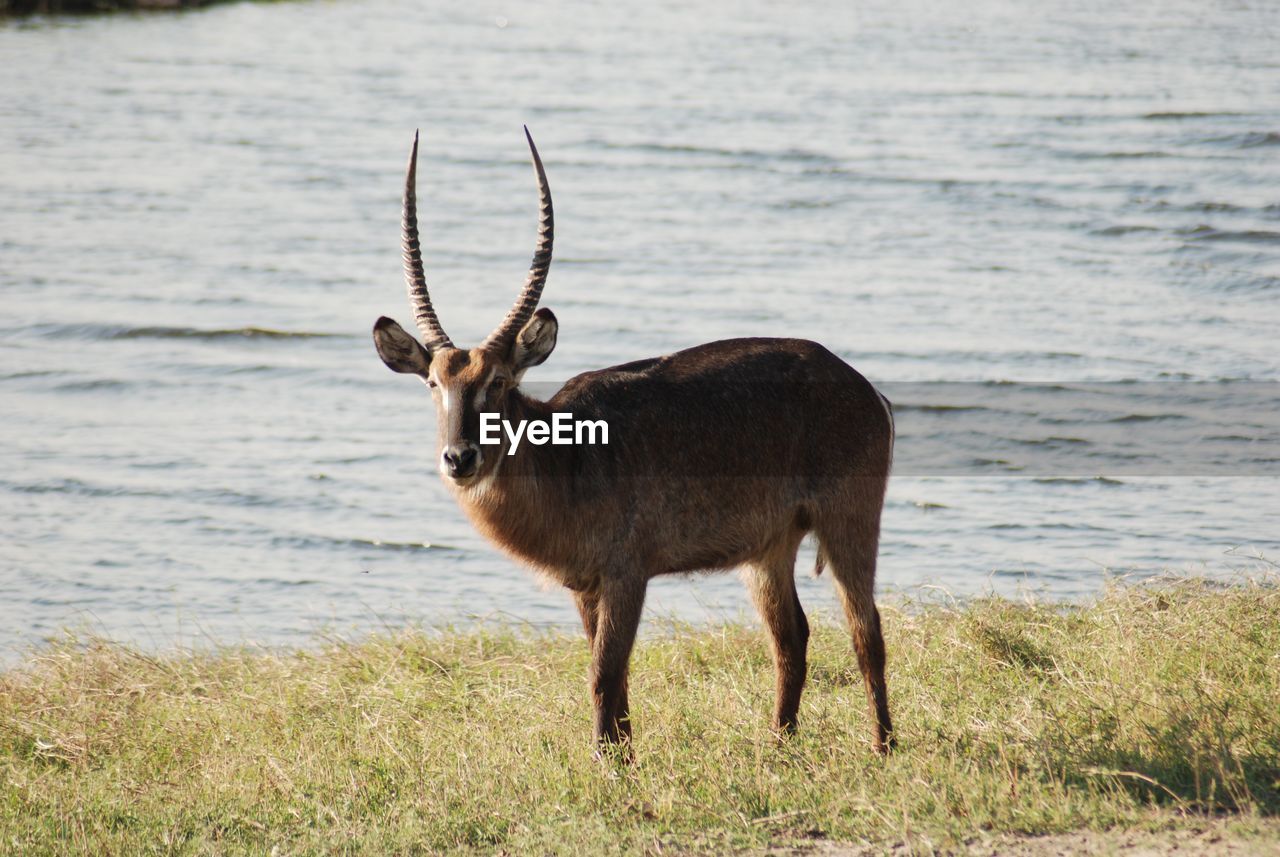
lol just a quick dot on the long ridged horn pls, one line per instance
(433, 334)
(527, 302)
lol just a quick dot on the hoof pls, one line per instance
(612, 753)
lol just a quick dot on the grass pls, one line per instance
(1152, 708)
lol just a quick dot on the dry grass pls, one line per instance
(1151, 708)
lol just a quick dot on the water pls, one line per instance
(199, 224)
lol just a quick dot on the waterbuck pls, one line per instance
(722, 455)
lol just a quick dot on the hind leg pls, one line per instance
(773, 588)
(851, 554)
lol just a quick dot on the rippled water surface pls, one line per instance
(199, 222)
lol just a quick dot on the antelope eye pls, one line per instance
(498, 385)
(432, 384)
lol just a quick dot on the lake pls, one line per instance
(1052, 238)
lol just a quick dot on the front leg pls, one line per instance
(618, 607)
(589, 610)
(588, 605)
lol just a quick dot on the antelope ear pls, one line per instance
(400, 351)
(535, 341)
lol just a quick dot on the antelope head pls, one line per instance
(466, 382)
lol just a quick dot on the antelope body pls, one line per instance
(722, 455)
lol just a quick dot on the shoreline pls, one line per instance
(15, 9)
(1151, 713)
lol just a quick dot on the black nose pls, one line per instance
(461, 460)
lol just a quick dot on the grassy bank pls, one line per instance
(1149, 709)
